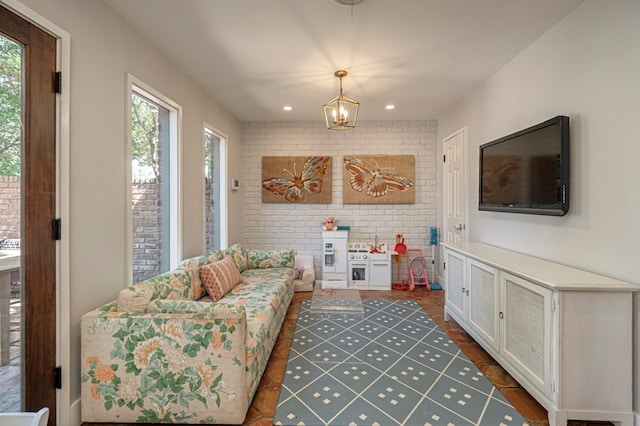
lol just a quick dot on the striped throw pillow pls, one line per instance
(220, 277)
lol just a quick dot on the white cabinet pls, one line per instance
(565, 334)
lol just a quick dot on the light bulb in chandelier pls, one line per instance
(342, 117)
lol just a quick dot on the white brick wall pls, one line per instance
(299, 226)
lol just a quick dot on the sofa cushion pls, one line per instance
(260, 259)
(214, 255)
(220, 277)
(262, 286)
(239, 255)
(193, 264)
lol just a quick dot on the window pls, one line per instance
(154, 185)
(215, 189)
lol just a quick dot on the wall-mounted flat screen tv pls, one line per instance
(527, 171)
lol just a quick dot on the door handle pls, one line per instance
(458, 226)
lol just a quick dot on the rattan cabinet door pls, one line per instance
(526, 329)
(484, 296)
(455, 278)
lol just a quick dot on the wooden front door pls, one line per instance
(37, 176)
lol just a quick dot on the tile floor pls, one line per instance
(264, 403)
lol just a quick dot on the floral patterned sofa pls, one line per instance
(165, 352)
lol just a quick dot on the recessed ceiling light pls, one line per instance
(390, 106)
(350, 3)
(287, 108)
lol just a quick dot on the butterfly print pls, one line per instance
(296, 187)
(370, 179)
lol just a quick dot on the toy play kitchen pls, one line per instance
(369, 266)
(354, 265)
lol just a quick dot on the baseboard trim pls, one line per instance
(75, 415)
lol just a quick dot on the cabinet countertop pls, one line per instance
(543, 272)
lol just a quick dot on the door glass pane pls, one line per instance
(11, 112)
(150, 188)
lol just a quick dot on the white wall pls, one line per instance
(299, 226)
(103, 49)
(586, 67)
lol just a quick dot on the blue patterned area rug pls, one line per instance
(392, 366)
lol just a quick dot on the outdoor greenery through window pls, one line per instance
(11, 135)
(10, 106)
(151, 186)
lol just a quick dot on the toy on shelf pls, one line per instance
(329, 224)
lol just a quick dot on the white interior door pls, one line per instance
(455, 187)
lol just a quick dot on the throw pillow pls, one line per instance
(220, 277)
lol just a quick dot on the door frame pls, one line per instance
(68, 412)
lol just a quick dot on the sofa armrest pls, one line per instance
(159, 367)
(305, 282)
(308, 276)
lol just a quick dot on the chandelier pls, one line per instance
(341, 112)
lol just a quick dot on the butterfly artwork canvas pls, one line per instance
(379, 179)
(296, 180)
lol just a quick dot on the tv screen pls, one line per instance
(527, 171)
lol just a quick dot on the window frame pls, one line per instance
(135, 85)
(223, 179)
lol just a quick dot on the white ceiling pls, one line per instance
(255, 56)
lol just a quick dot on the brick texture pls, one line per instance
(299, 226)
(147, 222)
(10, 207)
